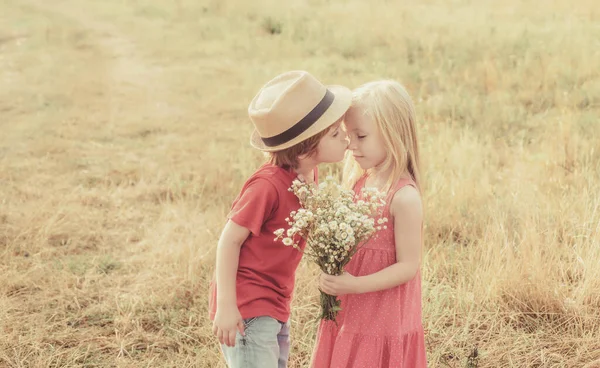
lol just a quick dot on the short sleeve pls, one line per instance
(254, 205)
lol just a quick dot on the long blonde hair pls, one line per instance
(389, 105)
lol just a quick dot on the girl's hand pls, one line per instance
(339, 285)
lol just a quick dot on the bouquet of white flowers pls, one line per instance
(333, 221)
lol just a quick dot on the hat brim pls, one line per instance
(341, 104)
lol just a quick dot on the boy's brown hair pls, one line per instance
(289, 157)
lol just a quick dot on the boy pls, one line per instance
(297, 123)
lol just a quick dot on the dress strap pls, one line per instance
(360, 183)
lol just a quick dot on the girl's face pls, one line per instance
(332, 146)
(366, 143)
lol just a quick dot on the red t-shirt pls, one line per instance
(266, 270)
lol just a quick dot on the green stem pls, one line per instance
(330, 307)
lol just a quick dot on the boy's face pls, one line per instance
(366, 143)
(332, 146)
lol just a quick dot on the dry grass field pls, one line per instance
(124, 139)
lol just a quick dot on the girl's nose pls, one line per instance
(351, 145)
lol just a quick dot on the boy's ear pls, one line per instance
(303, 156)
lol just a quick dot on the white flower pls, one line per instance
(291, 231)
(341, 235)
(333, 225)
(278, 232)
(287, 241)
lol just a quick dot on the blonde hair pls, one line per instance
(389, 105)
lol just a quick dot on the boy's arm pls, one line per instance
(228, 319)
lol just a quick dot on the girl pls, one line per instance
(380, 323)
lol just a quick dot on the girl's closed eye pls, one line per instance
(360, 136)
(337, 131)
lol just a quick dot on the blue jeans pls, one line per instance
(266, 344)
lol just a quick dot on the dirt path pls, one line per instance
(132, 85)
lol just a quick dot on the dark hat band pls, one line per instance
(301, 126)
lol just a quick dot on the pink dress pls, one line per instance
(379, 329)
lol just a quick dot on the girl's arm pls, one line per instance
(406, 210)
(228, 319)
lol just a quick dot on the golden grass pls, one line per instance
(124, 139)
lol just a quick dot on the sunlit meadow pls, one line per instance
(124, 139)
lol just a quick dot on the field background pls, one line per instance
(124, 139)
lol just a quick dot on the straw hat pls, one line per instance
(293, 107)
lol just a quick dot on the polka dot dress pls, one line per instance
(380, 329)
